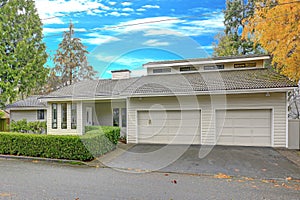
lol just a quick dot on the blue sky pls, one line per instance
(122, 34)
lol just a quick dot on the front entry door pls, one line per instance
(89, 116)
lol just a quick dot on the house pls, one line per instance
(223, 101)
(31, 109)
(4, 120)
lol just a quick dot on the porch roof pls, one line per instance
(172, 84)
(30, 102)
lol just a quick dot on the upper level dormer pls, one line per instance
(206, 64)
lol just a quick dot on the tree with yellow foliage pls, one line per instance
(275, 25)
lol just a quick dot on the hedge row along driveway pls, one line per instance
(94, 143)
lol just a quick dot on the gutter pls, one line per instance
(214, 92)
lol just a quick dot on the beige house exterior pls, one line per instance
(31, 109)
(219, 101)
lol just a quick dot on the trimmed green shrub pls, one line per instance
(112, 133)
(84, 148)
(23, 126)
(91, 128)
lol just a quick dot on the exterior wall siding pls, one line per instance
(29, 115)
(208, 106)
(259, 64)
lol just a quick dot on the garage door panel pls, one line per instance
(226, 139)
(185, 139)
(155, 139)
(244, 127)
(225, 131)
(180, 127)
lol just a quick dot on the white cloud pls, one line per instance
(150, 6)
(126, 3)
(115, 13)
(123, 60)
(49, 8)
(212, 22)
(127, 10)
(147, 23)
(55, 20)
(155, 43)
(97, 39)
(141, 9)
(209, 47)
(112, 3)
(153, 32)
(171, 26)
(118, 14)
(107, 59)
(61, 30)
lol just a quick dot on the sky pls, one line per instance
(125, 34)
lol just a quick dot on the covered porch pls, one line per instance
(71, 117)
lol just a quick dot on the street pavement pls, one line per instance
(21, 179)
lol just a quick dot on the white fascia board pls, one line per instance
(69, 99)
(220, 92)
(215, 92)
(27, 108)
(206, 62)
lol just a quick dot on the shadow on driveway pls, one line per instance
(254, 162)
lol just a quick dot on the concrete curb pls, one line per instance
(32, 159)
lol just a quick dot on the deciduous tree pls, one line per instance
(276, 26)
(230, 42)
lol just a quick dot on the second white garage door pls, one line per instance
(244, 127)
(169, 127)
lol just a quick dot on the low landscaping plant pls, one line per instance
(23, 126)
(112, 133)
(84, 148)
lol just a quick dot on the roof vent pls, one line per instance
(121, 74)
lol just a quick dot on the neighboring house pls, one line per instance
(4, 121)
(224, 101)
(31, 109)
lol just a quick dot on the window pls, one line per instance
(187, 68)
(63, 116)
(73, 116)
(213, 67)
(124, 116)
(161, 70)
(116, 117)
(54, 116)
(40, 114)
(243, 65)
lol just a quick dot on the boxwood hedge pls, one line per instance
(92, 144)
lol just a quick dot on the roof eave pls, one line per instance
(213, 92)
(27, 108)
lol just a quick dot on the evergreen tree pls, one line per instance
(70, 62)
(231, 42)
(22, 52)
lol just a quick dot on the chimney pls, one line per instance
(120, 74)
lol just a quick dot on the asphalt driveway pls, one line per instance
(254, 162)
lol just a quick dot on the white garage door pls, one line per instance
(243, 127)
(169, 127)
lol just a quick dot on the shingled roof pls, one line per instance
(30, 102)
(172, 84)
